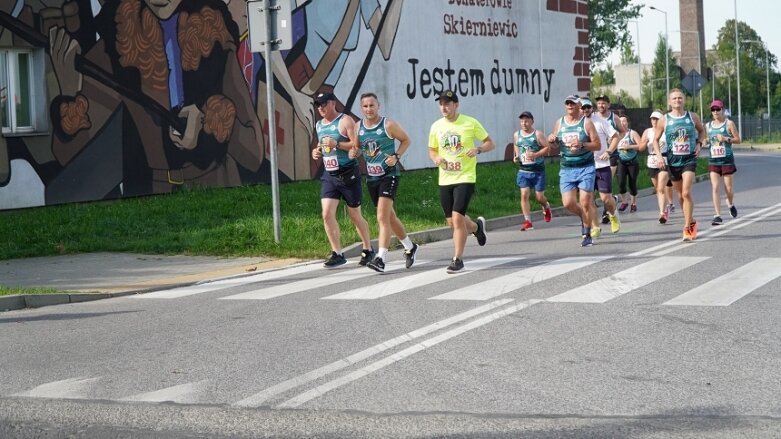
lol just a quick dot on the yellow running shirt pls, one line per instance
(452, 140)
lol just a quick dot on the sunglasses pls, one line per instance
(587, 107)
(715, 109)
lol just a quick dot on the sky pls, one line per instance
(761, 15)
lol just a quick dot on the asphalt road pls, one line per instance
(641, 335)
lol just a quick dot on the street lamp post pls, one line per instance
(737, 68)
(767, 70)
(639, 64)
(699, 60)
(666, 48)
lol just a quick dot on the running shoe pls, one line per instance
(596, 232)
(633, 208)
(480, 232)
(377, 265)
(716, 221)
(366, 256)
(547, 214)
(605, 218)
(587, 241)
(615, 224)
(527, 225)
(623, 207)
(693, 230)
(334, 260)
(671, 207)
(687, 235)
(733, 211)
(455, 266)
(409, 255)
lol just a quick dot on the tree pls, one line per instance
(607, 22)
(601, 78)
(628, 55)
(655, 80)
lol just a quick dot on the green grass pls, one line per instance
(11, 291)
(238, 221)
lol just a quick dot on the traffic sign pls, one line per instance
(281, 24)
(693, 82)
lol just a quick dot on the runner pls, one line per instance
(603, 110)
(660, 178)
(603, 183)
(628, 167)
(682, 131)
(376, 136)
(576, 138)
(451, 147)
(530, 149)
(722, 134)
(341, 178)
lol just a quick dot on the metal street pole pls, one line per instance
(272, 124)
(666, 48)
(737, 68)
(767, 72)
(639, 64)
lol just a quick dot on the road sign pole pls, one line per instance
(272, 126)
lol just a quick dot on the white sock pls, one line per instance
(407, 243)
(382, 253)
(527, 217)
(339, 252)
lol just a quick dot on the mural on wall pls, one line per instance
(148, 96)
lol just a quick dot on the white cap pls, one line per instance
(656, 115)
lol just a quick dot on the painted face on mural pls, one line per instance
(163, 9)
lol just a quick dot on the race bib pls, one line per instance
(375, 170)
(652, 163)
(525, 160)
(570, 139)
(454, 166)
(718, 151)
(681, 148)
(331, 163)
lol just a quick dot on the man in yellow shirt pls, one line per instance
(451, 146)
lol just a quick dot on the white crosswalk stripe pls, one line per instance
(394, 286)
(608, 288)
(728, 288)
(207, 287)
(504, 284)
(320, 281)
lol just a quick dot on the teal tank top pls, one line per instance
(376, 146)
(681, 138)
(720, 153)
(528, 143)
(581, 158)
(627, 155)
(335, 160)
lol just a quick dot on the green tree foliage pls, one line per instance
(601, 78)
(608, 26)
(753, 70)
(628, 55)
(655, 80)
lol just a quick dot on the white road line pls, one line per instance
(182, 394)
(72, 388)
(671, 246)
(227, 283)
(504, 284)
(418, 280)
(308, 284)
(726, 289)
(377, 365)
(258, 399)
(613, 286)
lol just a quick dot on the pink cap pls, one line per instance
(717, 103)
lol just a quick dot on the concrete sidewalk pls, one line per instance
(100, 275)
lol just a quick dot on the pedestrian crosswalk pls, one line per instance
(506, 275)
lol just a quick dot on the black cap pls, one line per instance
(447, 95)
(605, 98)
(322, 98)
(526, 114)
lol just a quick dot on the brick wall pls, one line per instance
(580, 56)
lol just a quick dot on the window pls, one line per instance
(22, 91)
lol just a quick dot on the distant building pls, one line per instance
(629, 78)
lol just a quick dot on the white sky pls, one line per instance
(762, 15)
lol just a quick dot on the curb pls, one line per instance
(12, 303)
